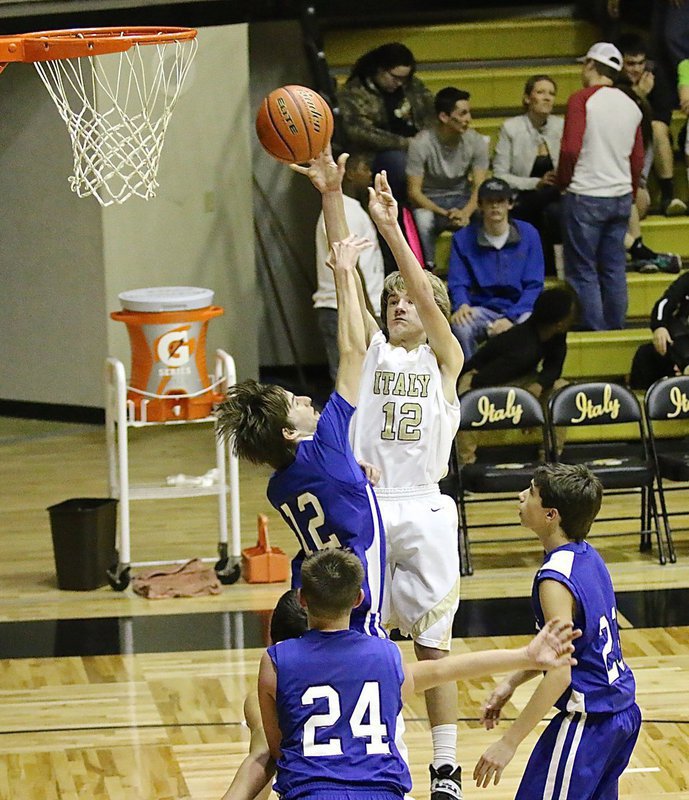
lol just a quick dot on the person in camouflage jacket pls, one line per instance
(383, 105)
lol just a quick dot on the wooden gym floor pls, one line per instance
(106, 695)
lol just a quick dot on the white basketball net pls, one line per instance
(117, 108)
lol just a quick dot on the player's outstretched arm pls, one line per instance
(551, 649)
(351, 334)
(252, 779)
(383, 210)
(326, 175)
(557, 603)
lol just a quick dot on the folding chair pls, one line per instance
(622, 467)
(668, 401)
(495, 408)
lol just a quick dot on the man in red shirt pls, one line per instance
(601, 158)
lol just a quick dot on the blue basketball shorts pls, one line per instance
(581, 756)
(344, 794)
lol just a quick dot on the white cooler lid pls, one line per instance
(166, 298)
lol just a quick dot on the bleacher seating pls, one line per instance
(492, 59)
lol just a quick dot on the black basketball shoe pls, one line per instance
(446, 783)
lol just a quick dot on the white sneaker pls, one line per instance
(674, 208)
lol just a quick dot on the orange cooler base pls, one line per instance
(175, 406)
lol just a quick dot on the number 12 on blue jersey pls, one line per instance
(310, 539)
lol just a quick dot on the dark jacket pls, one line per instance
(516, 353)
(672, 309)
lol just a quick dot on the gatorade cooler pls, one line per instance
(167, 328)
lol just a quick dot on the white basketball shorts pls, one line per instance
(421, 593)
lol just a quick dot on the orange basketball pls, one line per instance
(294, 124)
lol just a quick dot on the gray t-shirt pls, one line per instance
(446, 169)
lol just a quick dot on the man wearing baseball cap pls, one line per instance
(496, 269)
(604, 53)
(601, 158)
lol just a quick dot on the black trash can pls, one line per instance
(83, 541)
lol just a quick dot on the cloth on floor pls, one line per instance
(191, 579)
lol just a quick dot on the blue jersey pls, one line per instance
(325, 498)
(601, 681)
(339, 708)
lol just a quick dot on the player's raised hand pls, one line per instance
(382, 206)
(372, 473)
(491, 709)
(323, 172)
(345, 254)
(492, 763)
(553, 646)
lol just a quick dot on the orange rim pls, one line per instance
(79, 42)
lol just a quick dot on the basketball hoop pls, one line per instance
(115, 96)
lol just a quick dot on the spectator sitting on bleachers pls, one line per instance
(496, 269)
(671, 23)
(383, 105)
(668, 353)
(526, 156)
(531, 355)
(649, 82)
(445, 166)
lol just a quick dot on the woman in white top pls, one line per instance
(526, 156)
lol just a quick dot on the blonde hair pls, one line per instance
(394, 284)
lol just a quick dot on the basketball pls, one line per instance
(294, 124)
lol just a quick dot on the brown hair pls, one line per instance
(330, 581)
(394, 284)
(605, 70)
(254, 415)
(574, 491)
(533, 80)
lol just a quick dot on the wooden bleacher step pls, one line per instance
(500, 87)
(490, 125)
(667, 234)
(507, 39)
(592, 354)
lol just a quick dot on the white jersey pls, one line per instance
(403, 424)
(370, 260)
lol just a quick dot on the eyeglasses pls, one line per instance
(400, 79)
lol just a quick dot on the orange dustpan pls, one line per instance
(263, 563)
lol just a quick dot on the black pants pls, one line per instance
(541, 207)
(648, 365)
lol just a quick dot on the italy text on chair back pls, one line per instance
(667, 418)
(495, 472)
(620, 457)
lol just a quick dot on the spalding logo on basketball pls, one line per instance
(294, 124)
